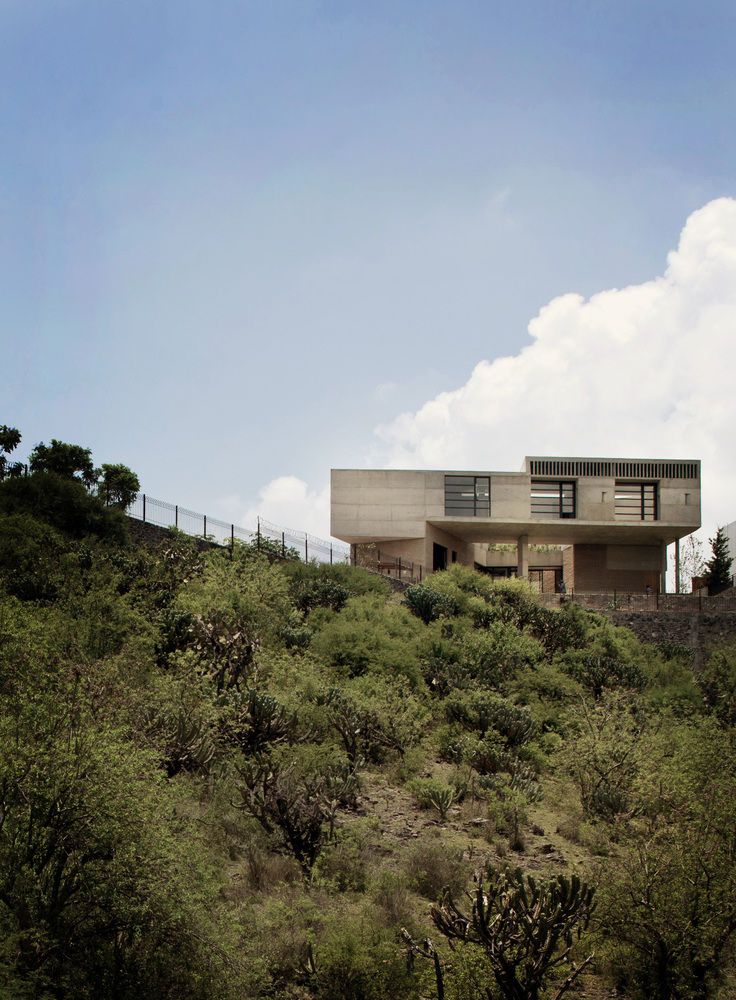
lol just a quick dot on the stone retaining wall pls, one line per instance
(699, 631)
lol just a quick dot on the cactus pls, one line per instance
(483, 711)
(526, 927)
(226, 646)
(189, 744)
(359, 729)
(597, 673)
(425, 950)
(429, 605)
(257, 720)
(300, 809)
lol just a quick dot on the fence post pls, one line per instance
(258, 533)
(232, 539)
(176, 516)
(283, 545)
(306, 549)
(144, 508)
(330, 553)
(420, 572)
(204, 522)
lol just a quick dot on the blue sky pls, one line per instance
(235, 237)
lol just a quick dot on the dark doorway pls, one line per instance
(547, 580)
(439, 556)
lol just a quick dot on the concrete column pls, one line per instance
(677, 566)
(522, 557)
(663, 574)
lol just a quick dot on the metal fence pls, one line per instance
(622, 601)
(283, 541)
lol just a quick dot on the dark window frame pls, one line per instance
(562, 507)
(467, 496)
(635, 500)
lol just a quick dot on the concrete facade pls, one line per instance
(608, 531)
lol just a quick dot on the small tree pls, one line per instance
(718, 567)
(9, 440)
(118, 485)
(526, 928)
(70, 461)
(691, 562)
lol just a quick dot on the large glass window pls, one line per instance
(635, 501)
(467, 496)
(552, 498)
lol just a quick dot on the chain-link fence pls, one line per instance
(283, 541)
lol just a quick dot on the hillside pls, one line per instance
(226, 776)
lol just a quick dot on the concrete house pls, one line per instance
(598, 524)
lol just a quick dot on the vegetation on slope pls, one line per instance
(223, 776)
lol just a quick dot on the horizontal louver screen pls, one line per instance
(467, 496)
(552, 499)
(635, 502)
(613, 470)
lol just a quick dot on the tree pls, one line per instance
(691, 562)
(117, 485)
(70, 461)
(526, 927)
(63, 503)
(718, 567)
(10, 438)
(668, 894)
(103, 889)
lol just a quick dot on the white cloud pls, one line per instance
(643, 371)
(646, 371)
(288, 502)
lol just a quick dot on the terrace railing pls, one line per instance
(396, 567)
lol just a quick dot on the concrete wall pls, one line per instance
(464, 550)
(604, 568)
(378, 504)
(393, 507)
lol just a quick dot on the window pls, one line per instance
(467, 496)
(635, 501)
(552, 498)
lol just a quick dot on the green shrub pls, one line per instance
(432, 867)
(495, 654)
(344, 864)
(717, 681)
(428, 605)
(370, 635)
(391, 893)
(357, 959)
(31, 554)
(547, 692)
(431, 793)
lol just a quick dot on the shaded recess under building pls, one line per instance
(598, 524)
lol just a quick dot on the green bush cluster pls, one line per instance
(223, 775)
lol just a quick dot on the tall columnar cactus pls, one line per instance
(527, 928)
